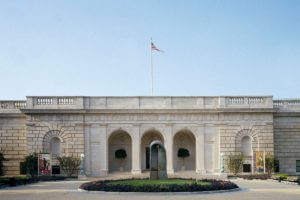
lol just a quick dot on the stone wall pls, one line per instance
(259, 130)
(69, 128)
(13, 142)
(287, 141)
(84, 125)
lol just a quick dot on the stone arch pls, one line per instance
(119, 139)
(186, 139)
(253, 134)
(154, 131)
(147, 137)
(59, 137)
(113, 130)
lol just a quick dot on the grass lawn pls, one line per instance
(141, 182)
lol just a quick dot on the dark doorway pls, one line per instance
(246, 168)
(147, 157)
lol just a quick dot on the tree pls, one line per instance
(270, 163)
(1, 164)
(234, 163)
(120, 154)
(31, 164)
(70, 165)
(183, 153)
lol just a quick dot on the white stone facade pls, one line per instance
(98, 126)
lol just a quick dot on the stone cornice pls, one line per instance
(287, 114)
(148, 111)
(13, 115)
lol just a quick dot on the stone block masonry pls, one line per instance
(96, 126)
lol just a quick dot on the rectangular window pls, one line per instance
(246, 168)
(297, 165)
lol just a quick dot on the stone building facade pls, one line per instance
(211, 128)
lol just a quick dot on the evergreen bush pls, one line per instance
(120, 154)
(31, 164)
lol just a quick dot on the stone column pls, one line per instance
(99, 150)
(87, 150)
(200, 150)
(136, 150)
(169, 147)
(217, 168)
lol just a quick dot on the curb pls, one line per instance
(162, 193)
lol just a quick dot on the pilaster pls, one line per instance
(200, 150)
(136, 150)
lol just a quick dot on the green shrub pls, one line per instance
(120, 154)
(31, 164)
(183, 153)
(282, 176)
(70, 165)
(254, 176)
(155, 185)
(234, 163)
(1, 164)
(270, 163)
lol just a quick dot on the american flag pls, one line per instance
(153, 47)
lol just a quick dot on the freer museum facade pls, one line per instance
(210, 127)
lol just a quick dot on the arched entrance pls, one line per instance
(246, 150)
(119, 141)
(147, 138)
(184, 140)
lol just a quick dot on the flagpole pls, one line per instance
(151, 63)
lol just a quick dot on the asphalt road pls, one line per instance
(67, 190)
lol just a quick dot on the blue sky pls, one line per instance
(99, 48)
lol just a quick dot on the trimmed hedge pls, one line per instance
(193, 187)
(183, 153)
(254, 176)
(19, 180)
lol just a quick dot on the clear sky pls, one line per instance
(100, 48)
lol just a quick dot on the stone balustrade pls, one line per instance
(12, 104)
(54, 102)
(148, 102)
(287, 105)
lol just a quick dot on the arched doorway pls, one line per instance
(119, 141)
(184, 140)
(147, 138)
(246, 150)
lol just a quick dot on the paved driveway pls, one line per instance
(67, 190)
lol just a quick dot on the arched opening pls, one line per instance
(246, 144)
(246, 150)
(118, 143)
(184, 141)
(146, 140)
(55, 146)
